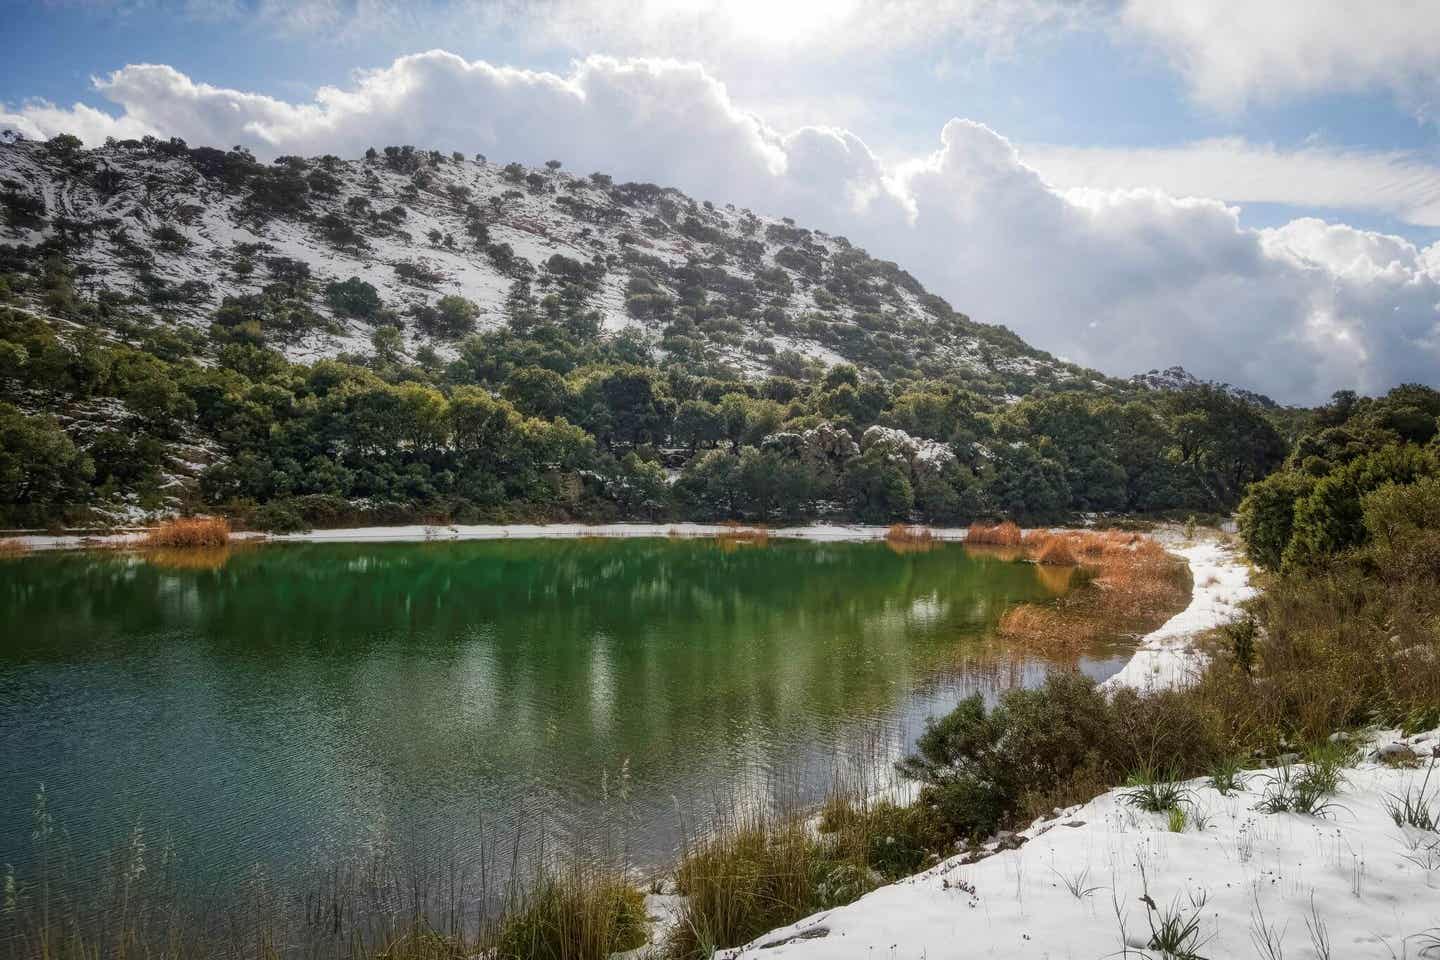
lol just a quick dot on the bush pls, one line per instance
(981, 767)
(353, 298)
(1397, 512)
(1330, 519)
(278, 517)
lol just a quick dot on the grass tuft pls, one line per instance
(190, 532)
(1156, 791)
(1004, 534)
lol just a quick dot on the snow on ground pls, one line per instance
(1165, 658)
(511, 531)
(1076, 887)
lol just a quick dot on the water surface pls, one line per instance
(280, 705)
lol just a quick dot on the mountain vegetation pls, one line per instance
(417, 336)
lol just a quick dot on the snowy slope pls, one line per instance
(109, 203)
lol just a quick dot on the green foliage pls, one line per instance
(1316, 506)
(1330, 519)
(353, 298)
(41, 472)
(977, 766)
(878, 490)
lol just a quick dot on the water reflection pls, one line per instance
(281, 703)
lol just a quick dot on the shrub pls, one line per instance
(1267, 515)
(1330, 519)
(1241, 635)
(1396, 512)
(980, 767)
(190, 532)
(278, 517)
(353, 298)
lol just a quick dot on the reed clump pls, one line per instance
(189, 532)
(1004, 534)
(1051, 549)
(583, 913)
(734, 534)
(902, 538)
(1123, 583)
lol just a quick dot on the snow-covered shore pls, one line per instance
(1076, 887)
(1165, 657)
(1098, 879)
(507, 531)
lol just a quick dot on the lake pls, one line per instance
(278, 707)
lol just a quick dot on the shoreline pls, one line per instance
(430, 533)
(1098, 878)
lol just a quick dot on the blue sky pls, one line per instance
(1285, 111)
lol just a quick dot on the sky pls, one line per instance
(1249, 189)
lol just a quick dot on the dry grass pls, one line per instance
(1036, 622)
(11, 547)
(189, 532)
(1128, 584)
(735, 535)
(1052, 549)
(1004, 534)
(901, 538)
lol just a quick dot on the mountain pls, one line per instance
(177, 230)
(1178, 378)
(415, 335)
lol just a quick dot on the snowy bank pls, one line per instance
(1076, 885)
(509, 531)
(1165, 657)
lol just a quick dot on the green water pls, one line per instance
(284, 705)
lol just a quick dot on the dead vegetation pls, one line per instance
(1123, 583)
(1004, 534)
(901, 538)
(189, 533)
(734, 535)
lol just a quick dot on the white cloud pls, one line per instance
(1122, 279)
(1236, 52)
(1397, 183)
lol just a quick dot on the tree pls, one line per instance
(697, 424)
(538, 392)
(451, 318)
(1331, 518)
(878, 490)
(41, 472)
(353, 298)
(1226, 442)
(626, 405)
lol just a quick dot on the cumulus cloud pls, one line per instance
(1121, 279)
(1398, 183)
(1235, 52)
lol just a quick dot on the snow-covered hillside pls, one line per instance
(174, 231)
